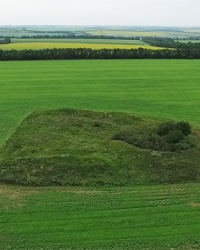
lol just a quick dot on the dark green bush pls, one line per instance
(165, 128)
(174, 136)
(169, 136)
(138, 140)
(184, 127)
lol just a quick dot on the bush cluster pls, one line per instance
(167, 127)
(168, 136)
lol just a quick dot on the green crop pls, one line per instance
(142, 217)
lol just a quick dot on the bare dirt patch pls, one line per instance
(193, 204)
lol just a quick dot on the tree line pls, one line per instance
(170, 43)
(86, 53)
(72, 36)
(5, 41)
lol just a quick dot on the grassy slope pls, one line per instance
(158, 88)
(143, 217)
(72, 147)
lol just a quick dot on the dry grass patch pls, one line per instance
(12, 197)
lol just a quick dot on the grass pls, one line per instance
(140, 217)
(76, 148)
(61, 45)
(158, 88)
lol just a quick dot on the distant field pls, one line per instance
(158, 88)
(143, 32)
(192, 30)
(189, 41)
(125, 33)
(142, 217)
(29, 31)
(61, 45)
(93, 41)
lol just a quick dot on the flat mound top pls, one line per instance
(74, 147)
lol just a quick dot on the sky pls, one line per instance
(171, 13)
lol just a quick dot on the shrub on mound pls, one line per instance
(165, 128)
(184, 127)
(169, 136)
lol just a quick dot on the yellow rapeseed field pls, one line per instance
(50, 45)
(126, 33)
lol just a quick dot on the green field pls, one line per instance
(181, 33)
(168, 89)
(158, 88)
(93, 41)
(144, 32)
(131, 217)
(141, 217)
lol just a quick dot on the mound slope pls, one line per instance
(74, 147)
